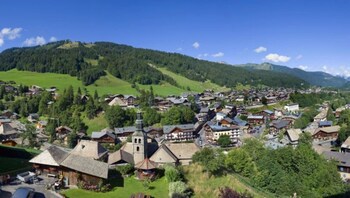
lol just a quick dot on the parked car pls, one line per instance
(24, 192)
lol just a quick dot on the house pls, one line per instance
(9, 142)
(90, 149)
(326, 133)
(41, 124)
(277, 126)
(72, 167)
(268, 114)
(122, 100)
(293, 136)
(292, 108)
(33, 117)
(227, 122)
(7, 131)
(322, 116)
(178, 133)
(219, 116)
(345, 147)
(255, 119)
(103, 137)
(343, 160)
(62, 132)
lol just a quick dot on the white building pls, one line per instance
(292, 107)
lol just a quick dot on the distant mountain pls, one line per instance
(314, 78)
(89, 61)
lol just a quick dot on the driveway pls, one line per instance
(40, 189)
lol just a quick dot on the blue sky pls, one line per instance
(312, 34)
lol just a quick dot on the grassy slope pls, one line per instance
(10, 164)
(195, 86)
(96, 124)
(208, 186)
(106, 84)
(158, 188)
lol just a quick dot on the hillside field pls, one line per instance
(106, 84)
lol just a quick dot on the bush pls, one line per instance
(125, 169)
(172, 174)
(177, 189)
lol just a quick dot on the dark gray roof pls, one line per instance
(86, 165)
(279, 124)
(169, 128)
(342, 158)
(325, 123)
(98, 135)
(57, 154)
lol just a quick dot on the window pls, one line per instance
(139, 141)
(135, 141)
(137, 148)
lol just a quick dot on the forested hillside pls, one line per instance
(314, 78)
(89, 61)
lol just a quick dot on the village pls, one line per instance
(222, 120)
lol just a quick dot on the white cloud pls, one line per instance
(325, 68)
(39, 40)
(260, 49)
(303, 67)
(9, 33)
(277, 58)
(299, 57)
(53, 39)
(219, 54)
(195, 45)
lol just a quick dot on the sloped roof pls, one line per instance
(342, 158)
(124, 153)
(346, 144)
(101, 134)
(160, 154)
(182, 150)
(53, 156)
(169, 128)
(146, 164)
(331, 129)
(6, 129)
(278, 124)
(293, 134)
(86, 165)
(87, 148)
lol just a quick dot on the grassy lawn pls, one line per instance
(95, 124)
(158, 188)
(10, 164)
(208, 186)
(195, 86)
(164, 89)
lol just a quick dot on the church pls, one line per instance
(144, 147)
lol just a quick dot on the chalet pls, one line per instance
(33, 117)
(268, 114)
(227, 122)
(124, 132)
(255, 119)
(326, 133)
(271, 99)
(277, 126)
(72, 167)
(176, 101)
(292, 108)
(62, 132)
(9, 114)
(103, 137)
(90, 149)
(293, 136)
(207, 100)
(9, 142)
(122, 100)
(7, 131)
(345, 147)
(322, 116)
(343, 160)
(178, 133)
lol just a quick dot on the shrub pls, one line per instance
(177, 189)
(172, 174)
(125, 169)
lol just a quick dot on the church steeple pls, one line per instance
(139, 140)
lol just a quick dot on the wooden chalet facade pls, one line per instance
(255, 119)
(103, 137)
(326, 133)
